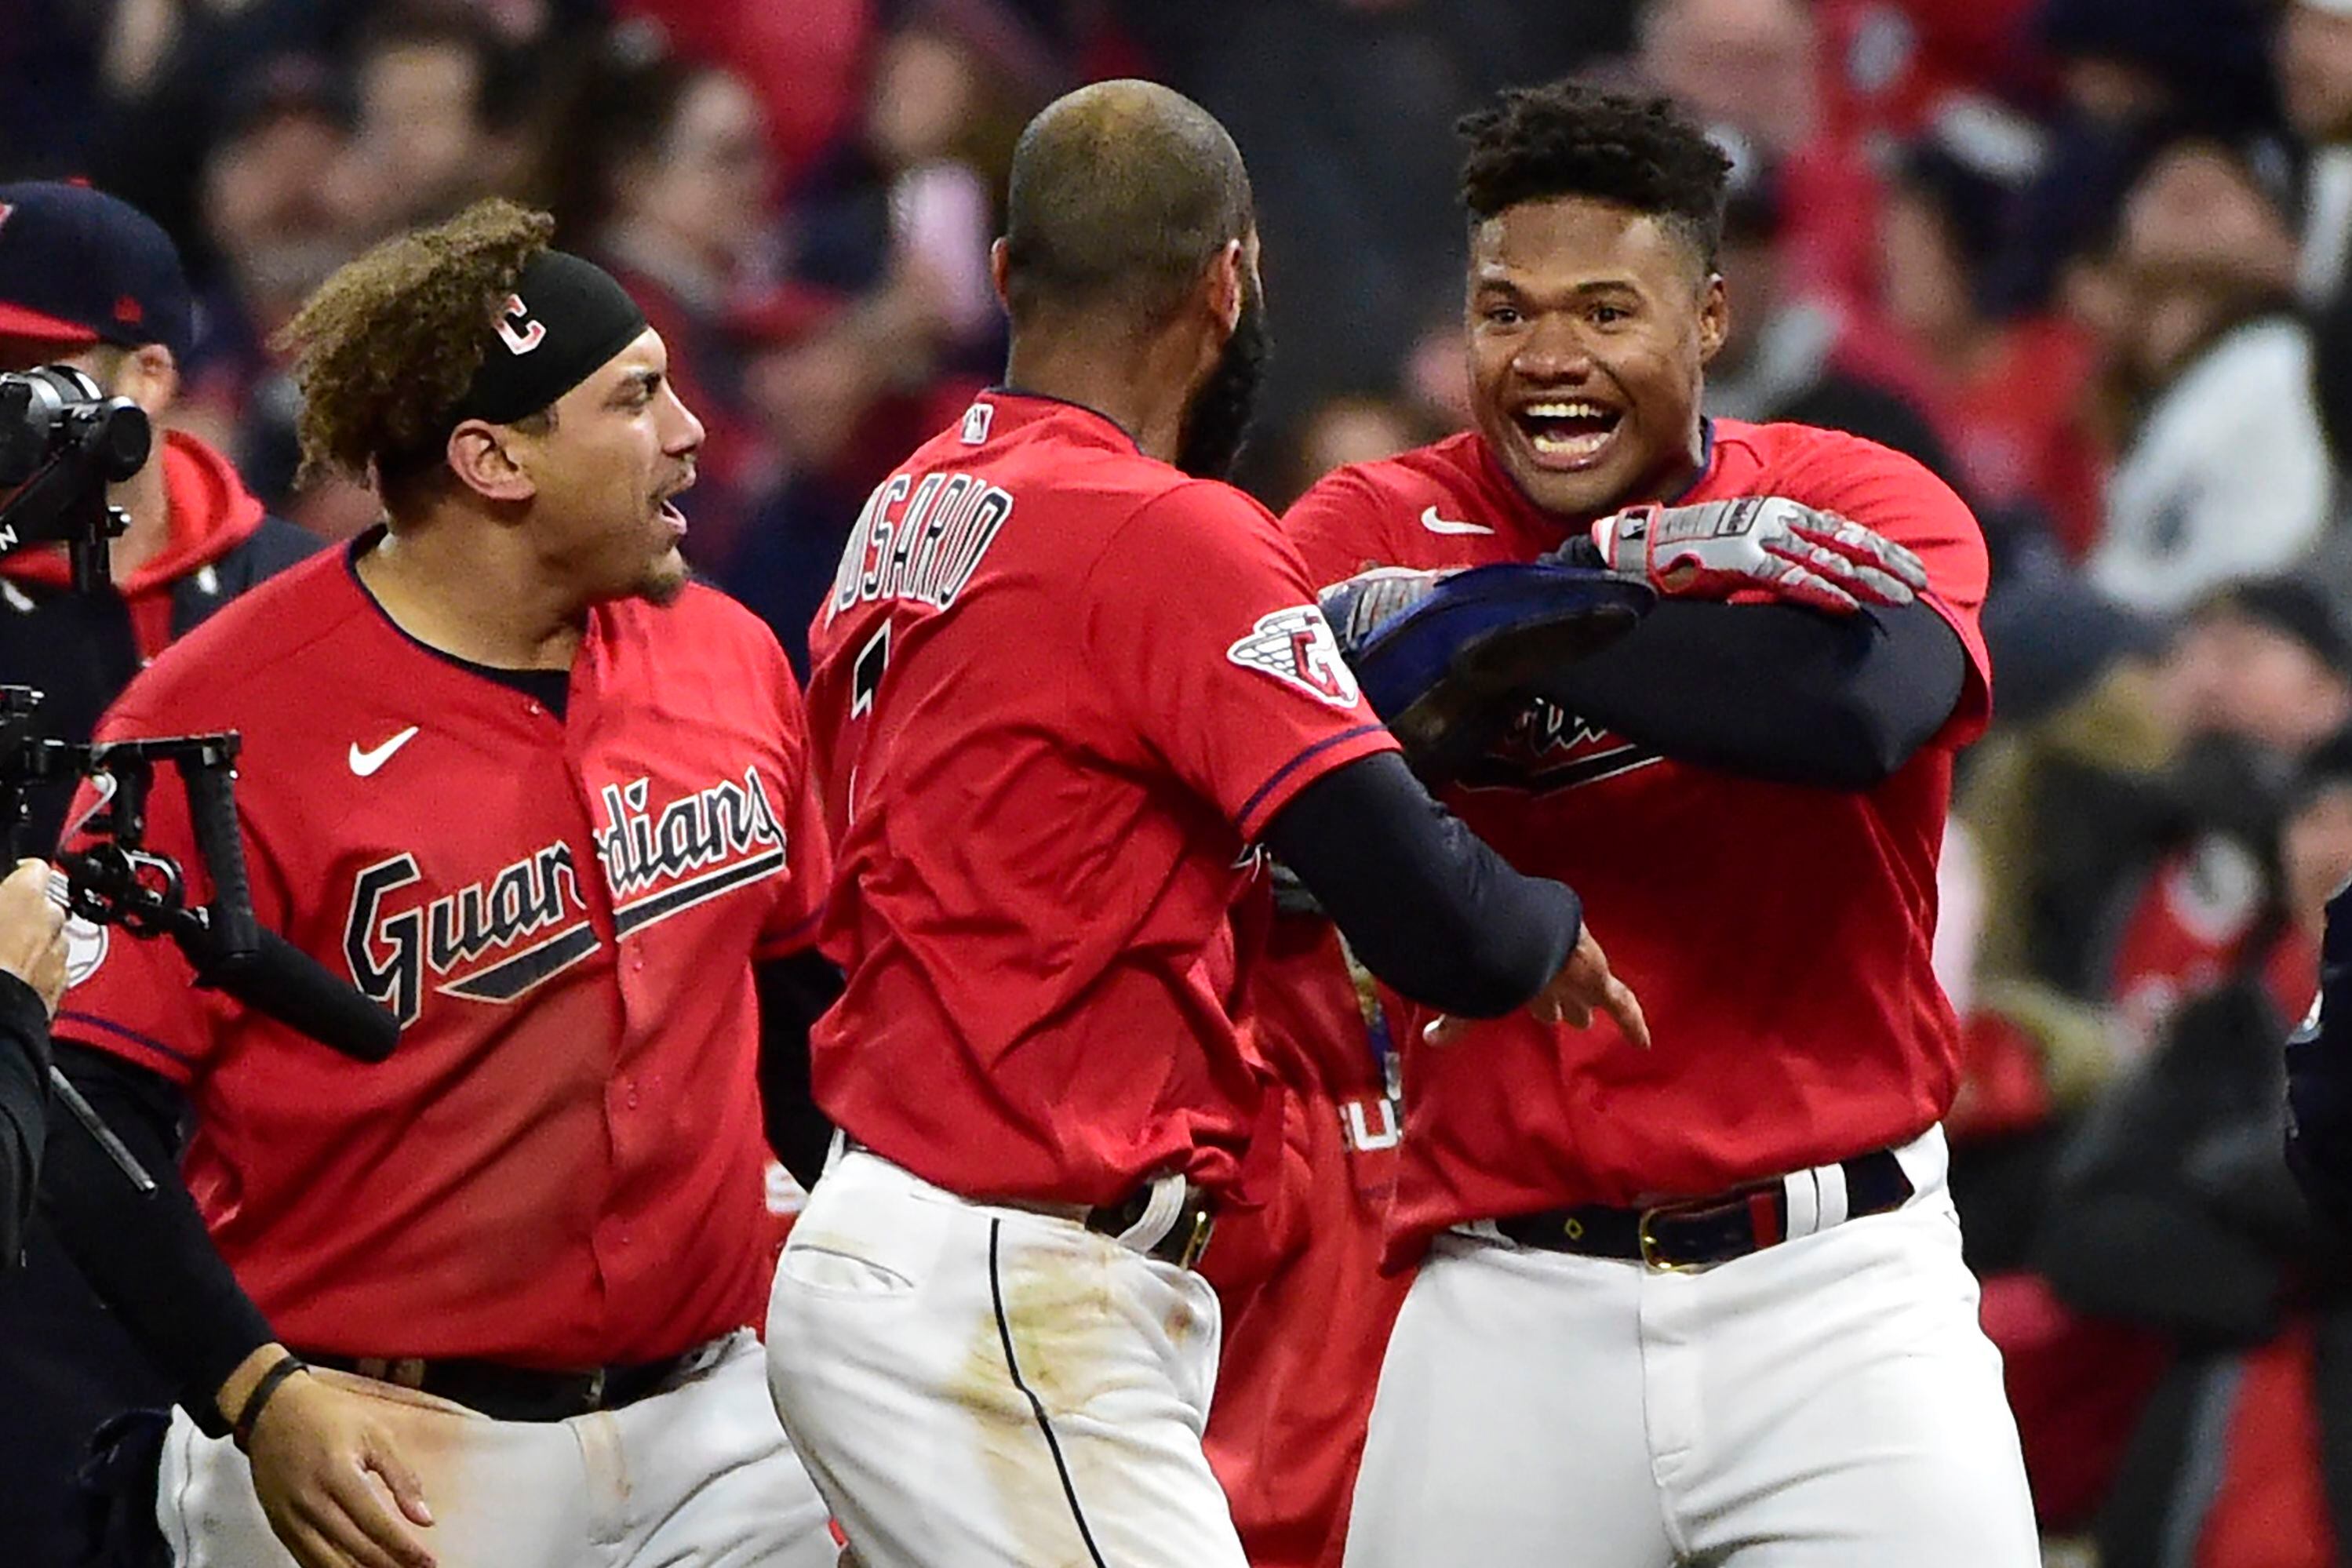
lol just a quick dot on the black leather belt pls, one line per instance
(518, 1393)
(1186, 1240)
(1692, 1233)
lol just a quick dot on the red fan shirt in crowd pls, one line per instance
(1057, 687)
(2188, 930)
(1306, 1309)
(561, 1162)
(1779, 936)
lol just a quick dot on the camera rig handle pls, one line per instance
(118, 882)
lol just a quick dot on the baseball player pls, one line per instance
(483, 1302)
(1704, 1303)
(1064, 681)
(1306, 1306)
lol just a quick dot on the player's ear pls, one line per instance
(1225, 288)
(1714, 316)
(1000, 272)
(480, 455)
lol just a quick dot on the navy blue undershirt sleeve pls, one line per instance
(1775, 692)
(1425, 903)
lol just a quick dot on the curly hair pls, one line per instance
(1569, 140)
(387, 346)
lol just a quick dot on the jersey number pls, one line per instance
(866, 673)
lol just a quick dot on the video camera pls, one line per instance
(62, 442)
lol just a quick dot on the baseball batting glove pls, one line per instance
(1358, 606)
(1717, 549)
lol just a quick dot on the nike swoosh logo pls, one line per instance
(1437, 524)
(365, 763)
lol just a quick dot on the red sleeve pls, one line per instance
(1336, 526)
(137, 997)
(1900, 499)
(1200, 621)
(791, 924)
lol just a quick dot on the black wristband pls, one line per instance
(287, 1365)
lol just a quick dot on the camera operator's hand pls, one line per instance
(331, 1480)
(33, 931)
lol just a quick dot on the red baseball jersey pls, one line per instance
(1777, 935)
(561, 1163)
(1057, 689)
(1307, 1309)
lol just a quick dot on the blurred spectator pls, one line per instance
(1357, 198)
(2135, 74)
(2314, 54)
(1754, 71)
(837, 421)
(657, 167)
(167, 67)
(1806, 355)
(2013, 390)
(2226, 473)
(803, 59)
(1901, 67)
(2180, 1215)
(905, 210)
(277, 235)
(1354, 427)
(2072, 812)
(441, 101)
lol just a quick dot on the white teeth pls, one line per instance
(1583, 444)
(1578, 410)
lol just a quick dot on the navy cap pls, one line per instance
(79, 266)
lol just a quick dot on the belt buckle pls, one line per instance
(1204, 1222)
(1649, 1243)
(592, 1397)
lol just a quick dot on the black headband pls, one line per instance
(566, 318)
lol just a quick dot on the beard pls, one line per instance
(1217, 424)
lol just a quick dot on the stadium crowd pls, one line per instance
(2089, 260)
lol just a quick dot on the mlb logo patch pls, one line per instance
(976, 421)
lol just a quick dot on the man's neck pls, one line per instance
(468, 590)
(1142, 392)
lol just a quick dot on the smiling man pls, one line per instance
(1705, 1303)
(546, 802)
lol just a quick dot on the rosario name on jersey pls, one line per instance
(1059, 686)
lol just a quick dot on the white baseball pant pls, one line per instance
(990, 1387)
(1826, 1402)
(698, 1473)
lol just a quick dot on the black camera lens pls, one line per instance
(51, 413)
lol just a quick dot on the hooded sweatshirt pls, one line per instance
(81, 651)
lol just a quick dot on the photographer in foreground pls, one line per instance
(32, 979)
(90, 281)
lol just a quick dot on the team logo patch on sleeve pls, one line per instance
(1295, 647)
(85, 949)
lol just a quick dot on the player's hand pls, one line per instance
(1358, 606)
(324, 1466)
(1583, 986)
(1767, 543)
(33, 931)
